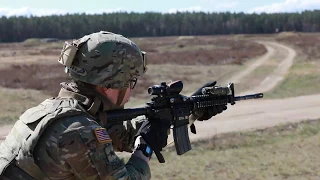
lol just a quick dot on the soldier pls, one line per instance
(69, 137)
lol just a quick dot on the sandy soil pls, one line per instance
(256, 113)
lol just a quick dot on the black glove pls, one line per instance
(155, 134)
(207, 113)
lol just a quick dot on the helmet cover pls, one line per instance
(107, 59)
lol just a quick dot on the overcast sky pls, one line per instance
(41, 7)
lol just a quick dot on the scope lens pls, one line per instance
(155, 90)
(150, 91)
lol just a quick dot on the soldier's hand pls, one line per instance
(206, 113)
(155, 134)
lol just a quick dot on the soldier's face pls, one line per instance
(117, 96)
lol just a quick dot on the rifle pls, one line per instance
(167, 104)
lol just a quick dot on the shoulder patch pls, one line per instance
(102, 135)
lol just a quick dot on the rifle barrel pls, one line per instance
(246, 97)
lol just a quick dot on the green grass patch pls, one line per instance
(255, 78)
(40, 43)
(181, 47)
(31, 42)
(303, 79)
(55, 45)
(284, 152)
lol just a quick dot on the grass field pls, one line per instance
(30, 74)
(259, 74)
(192, 59)
(285, 152)
(303, 79)
(33, 65)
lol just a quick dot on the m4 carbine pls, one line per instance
(167, 104)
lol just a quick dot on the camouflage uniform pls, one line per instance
(69, 149)
(63, 137)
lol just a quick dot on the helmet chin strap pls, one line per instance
(93, 100)
(121, 97)
(107, 104)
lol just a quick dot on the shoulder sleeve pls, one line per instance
(89, 153)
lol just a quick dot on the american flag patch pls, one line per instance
(102, 135)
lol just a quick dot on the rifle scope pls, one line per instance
(163, 89)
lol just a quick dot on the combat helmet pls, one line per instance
(104, 59)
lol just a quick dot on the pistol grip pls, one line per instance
(159, 157)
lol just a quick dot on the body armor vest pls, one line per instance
(20, 142)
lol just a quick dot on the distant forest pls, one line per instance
(71, 26)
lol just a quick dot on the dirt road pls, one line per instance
(278, 74)
(236, 78)
(258, 113)
(263, 113)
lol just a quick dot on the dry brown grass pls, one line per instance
(194, 60)
(20, 50)
(36, 76)
(308, 44)
(199, 50)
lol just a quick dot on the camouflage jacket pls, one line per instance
(73, 147)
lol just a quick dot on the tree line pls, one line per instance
(71, 26)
